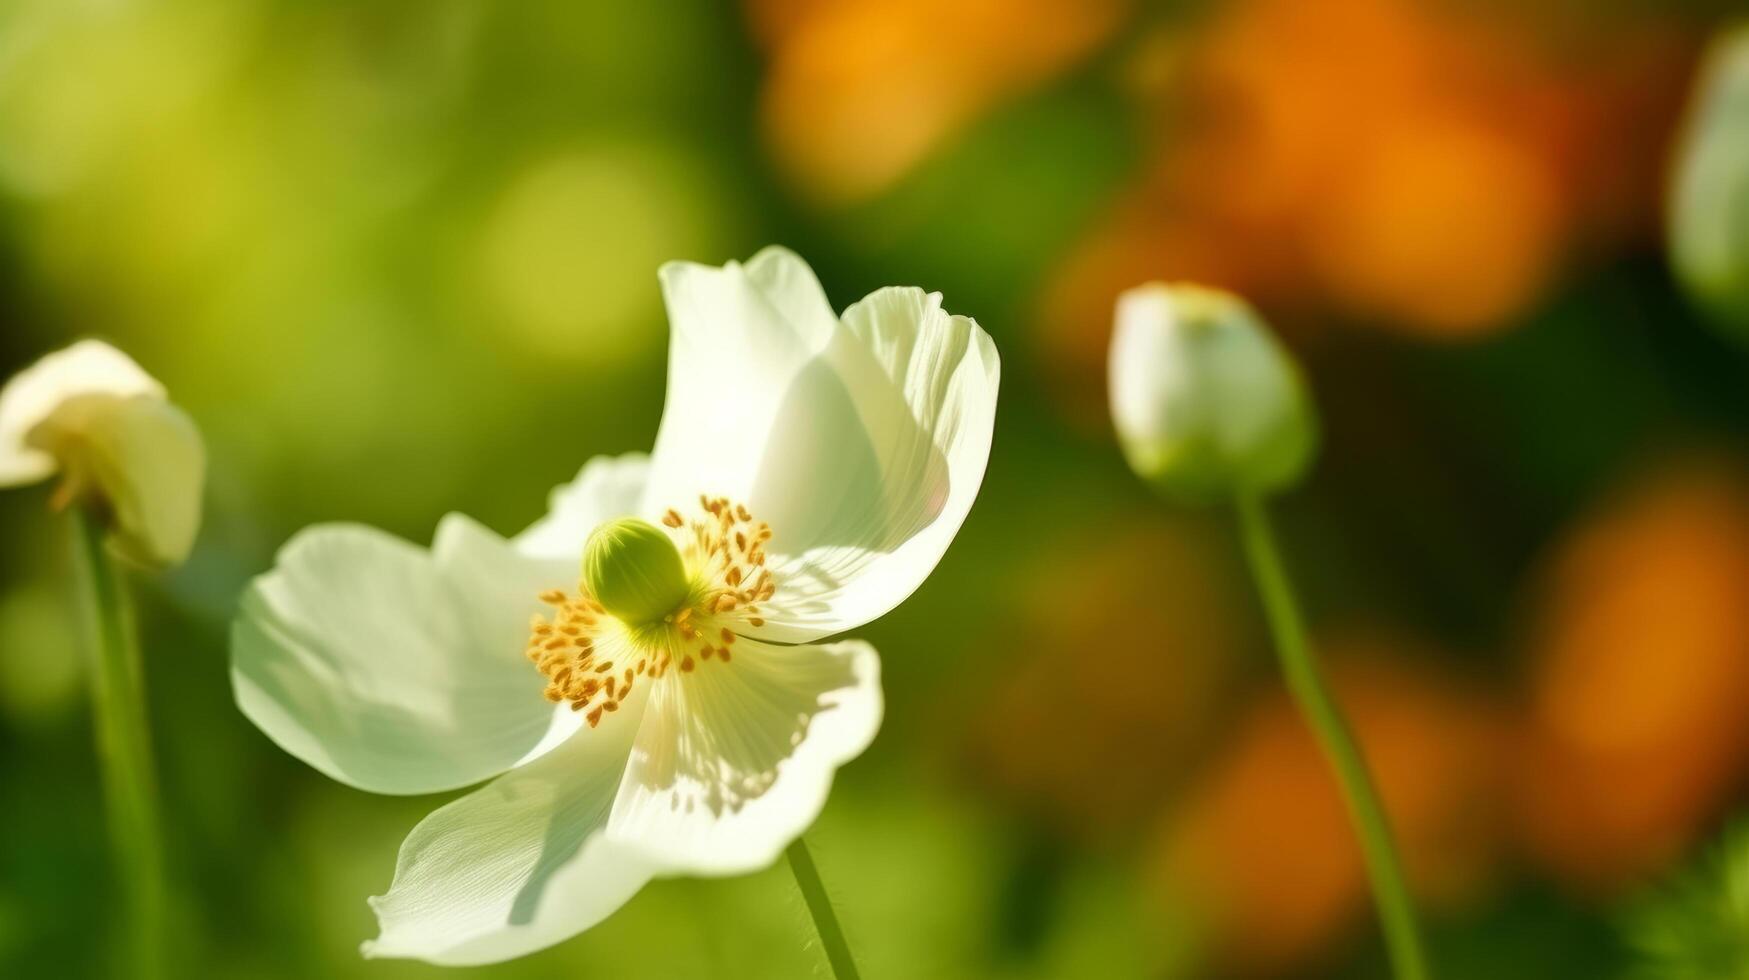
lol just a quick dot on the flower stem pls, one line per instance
(1390, 891)
(820, 907)
(124, 749)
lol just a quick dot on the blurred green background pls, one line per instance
(398, 258)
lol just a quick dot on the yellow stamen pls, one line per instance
(723, 553)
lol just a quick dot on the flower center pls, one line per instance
(652, 599)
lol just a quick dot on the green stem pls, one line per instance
(1390, 891)
(820, 907)
(124, 749)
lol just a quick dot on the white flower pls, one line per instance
(92, 415)
(809, 472)
(1205, 400)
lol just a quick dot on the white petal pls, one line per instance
(521, 863)
(735, 760)
(395, 669)
(143, 458)
(862, 441)
(89, 367)
(741, 336)
(608, 487)
(863, 509)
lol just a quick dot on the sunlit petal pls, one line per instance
(871, 482)
(735, 759)
(519, 864)
(861, 441)
(392, 668)
(743, 336)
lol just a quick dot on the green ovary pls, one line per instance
(634, 570)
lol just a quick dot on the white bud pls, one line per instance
(1709, 204)
(1207, 403)
(90, 414)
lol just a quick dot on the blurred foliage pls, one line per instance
(1697, 926)
(399, 258)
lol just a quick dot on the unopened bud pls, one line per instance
(1207, 403)
(1709, 202)
(91, 415)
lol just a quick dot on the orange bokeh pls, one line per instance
(1264, 846)
(1638, 721)
(859, 91)
(1111, 675)
(1427, 168)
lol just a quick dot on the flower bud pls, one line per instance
(90, 414)
(1207, 403)
(633, 569)
(1709, 203)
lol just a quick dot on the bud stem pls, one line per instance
(1390, 890)
(801, 864)
(124, 749)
